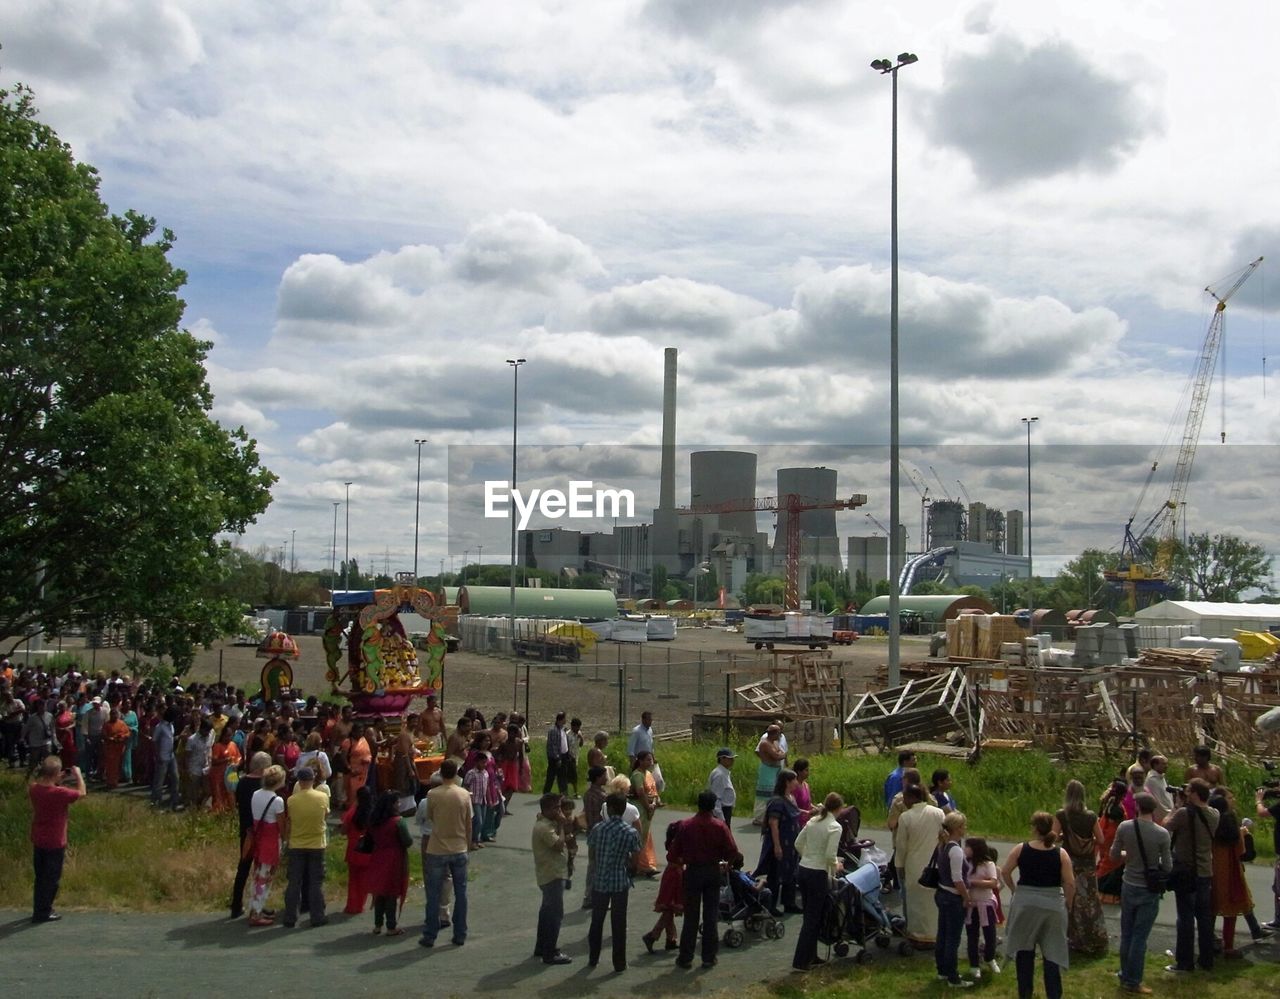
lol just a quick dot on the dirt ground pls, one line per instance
(662, 677)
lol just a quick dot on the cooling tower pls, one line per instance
(721, 477)
(818, 540)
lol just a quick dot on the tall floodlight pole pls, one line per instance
(515, 424)
(346, 544)
(1027, 421)
(884, 66)
(293, 550)
(479, 560)
(333, 551)
(417, 504)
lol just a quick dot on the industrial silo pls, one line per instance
(946, 523)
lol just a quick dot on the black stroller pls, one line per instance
(854, 915)
(745, 902)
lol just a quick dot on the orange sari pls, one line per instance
(359, 758)
(222, 756)
(114, 737)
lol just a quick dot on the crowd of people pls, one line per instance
(292, 771)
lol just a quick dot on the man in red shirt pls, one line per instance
(703, 844)
(49, 804)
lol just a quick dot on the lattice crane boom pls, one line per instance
(1195, 420)
(793, 505)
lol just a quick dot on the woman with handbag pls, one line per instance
(387, 876)
(270, 827)
(1080, 834)
(950, 898)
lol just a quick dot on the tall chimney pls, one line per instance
(667, 488)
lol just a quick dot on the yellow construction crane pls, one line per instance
(1140, 579)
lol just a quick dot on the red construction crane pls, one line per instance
(793, 505)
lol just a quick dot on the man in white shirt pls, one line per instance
(1158, 787)
(720, 783)
(641, 740)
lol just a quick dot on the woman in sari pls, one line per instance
(645, 789)
(222, 756)
(387, 876)
(1081, 836)
(1110, 872)
(115, 735)
(144, 752)
(355, 823)
(803, 796)
(778, 844)
(130, 717)
(359, 758)
(65, 725)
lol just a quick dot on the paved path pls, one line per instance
(176, 955)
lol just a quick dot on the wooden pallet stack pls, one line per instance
(1186, 659)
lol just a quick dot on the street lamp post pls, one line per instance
(885, 66)
(479, 559)
(333, 551)
(1027, 421)
(417, 503)
(515, 426)
(346, 544)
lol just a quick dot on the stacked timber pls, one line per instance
(1196, 660)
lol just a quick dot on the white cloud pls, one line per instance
(377, 205)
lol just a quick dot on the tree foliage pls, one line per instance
(116, 480)
(762, 589)
(1221, 567)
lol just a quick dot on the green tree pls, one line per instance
(117, 481)
(658, 582)
(1081, 585)
(762, 589)
(1222, 566)
(822, 596)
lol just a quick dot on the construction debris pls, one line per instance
(940, 708)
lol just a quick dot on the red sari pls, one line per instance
(66, 728)
(357, 865)
(388, 870)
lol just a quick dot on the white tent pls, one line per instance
(1210, 619)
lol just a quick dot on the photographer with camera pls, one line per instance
(1192, 826)
(1267, 805)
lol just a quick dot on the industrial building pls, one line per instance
(719, 529)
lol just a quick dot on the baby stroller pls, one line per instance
(743, 901)
(853, 914)
(856, 852)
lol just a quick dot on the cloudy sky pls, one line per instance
(377, 203)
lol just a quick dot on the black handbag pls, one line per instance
(365, 843)
(930, 877)
(1157, 878)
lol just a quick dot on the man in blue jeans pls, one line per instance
(449, 812)
(1138, 904)
(614, 844)
(1192, 827)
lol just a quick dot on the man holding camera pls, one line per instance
(1267, 804)
(49, 804)
(1192, 826)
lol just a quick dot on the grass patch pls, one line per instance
(893, 978)
(998, 794)
(123, 855)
